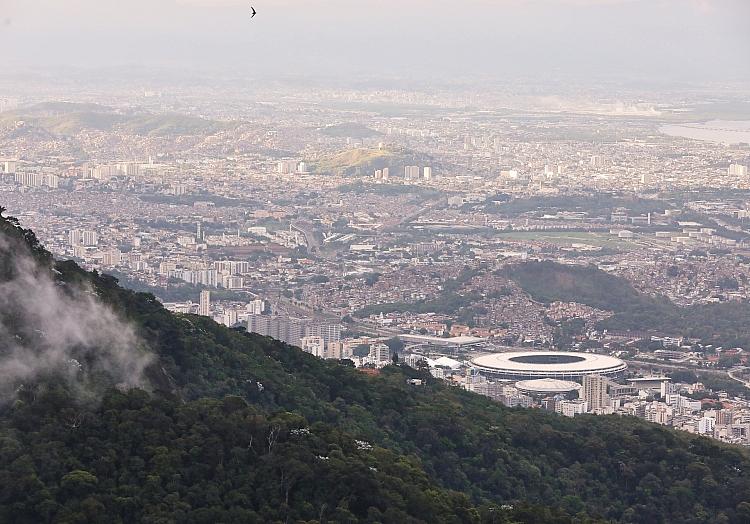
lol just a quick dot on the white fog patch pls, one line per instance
(47, 327)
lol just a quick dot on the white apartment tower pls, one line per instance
(737, 170)
(595, 392)
(379, 353)
(411, 172)
(314, 345)
(204, 308)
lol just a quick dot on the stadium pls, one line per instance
(542, 387)
(527, 365)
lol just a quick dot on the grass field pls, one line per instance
(568, 238)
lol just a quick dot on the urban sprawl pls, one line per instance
(424, 227)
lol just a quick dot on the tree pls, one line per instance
(395, 344)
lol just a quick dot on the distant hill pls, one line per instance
(44, 109)
(74, 123)
(170, 124)
(349, 130)
(184, 420)
(66, 118)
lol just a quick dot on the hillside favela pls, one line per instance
(494, 271)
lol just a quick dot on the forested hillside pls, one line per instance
(206, 424)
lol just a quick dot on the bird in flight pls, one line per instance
(251, 16)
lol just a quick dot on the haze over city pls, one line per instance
(631, 40)
(383, 262)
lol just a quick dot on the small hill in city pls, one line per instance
(364, 161)
(722, 324)
(349, 130)
(550, 282)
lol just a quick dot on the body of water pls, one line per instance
(718, 131)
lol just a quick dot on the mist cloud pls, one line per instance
(50, 328)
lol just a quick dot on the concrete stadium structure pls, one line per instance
(547, 386)
(527, 365)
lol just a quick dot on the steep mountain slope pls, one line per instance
(225, 426)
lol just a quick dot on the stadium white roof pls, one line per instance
(548, 364)
(547, 385)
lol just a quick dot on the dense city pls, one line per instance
(430, 227)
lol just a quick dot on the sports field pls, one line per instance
(569, 238)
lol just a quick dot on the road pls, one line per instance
(736, 370)
(307, 231)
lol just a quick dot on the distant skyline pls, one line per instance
(635, 40)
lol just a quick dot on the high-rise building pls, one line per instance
(89, 238)
(29, 179)
(204, 277)
(706, 425)
(81, 237)
(427, 173)
(596, 161)
(667, 388)
(285, 167)
(9, 167)
(205, 303)
(379, 353)
(112, 258)
(737, 170)
(128, 169)
(335, 350)
(411, 172)
(232, 282)
(386, 173)
(724, 416)
(74, 237)
(256, 307)
(595, 392)
(313, 345)
(329, 331)
(286, 329)
(229, 318)
(199, 235)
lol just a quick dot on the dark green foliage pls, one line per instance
(395, 344)
(349, 129)
(446, 303)
(360, 187)
(139, 458)
(601, 204)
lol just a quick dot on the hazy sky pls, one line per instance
(639, 39)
